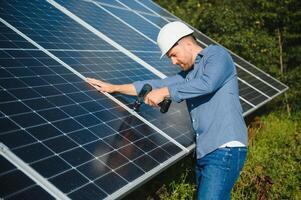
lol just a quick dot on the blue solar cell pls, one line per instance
(110, 3)
(158, 20)
(135, 6)
(164, 65)
(157, 9)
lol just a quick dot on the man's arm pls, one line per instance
(135, 87)
(157, 95)
(99, 85)
(219, 68)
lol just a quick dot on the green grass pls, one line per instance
(272, 170)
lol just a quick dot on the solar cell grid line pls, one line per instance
(126, 5)
(158, 20)
(111, 3)
(149, 30)
(134, 5)
(246, 107)
(140, 15)
(257, 83)
(252, 96)
(48, 26)
(18, 181)
(57, 181)
(124, 18)
(7, 35)
(276, 84)
(156, 9)
(164, 64)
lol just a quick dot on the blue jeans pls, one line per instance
(217, 172)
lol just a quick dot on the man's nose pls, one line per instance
(174, 61)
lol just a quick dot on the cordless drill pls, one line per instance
(164, 105)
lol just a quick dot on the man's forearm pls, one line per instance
(128, 89)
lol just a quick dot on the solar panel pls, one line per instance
(72, 141)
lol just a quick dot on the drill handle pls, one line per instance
(164, 105)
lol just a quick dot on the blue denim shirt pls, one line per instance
(210, 89)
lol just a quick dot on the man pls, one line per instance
(208, 83)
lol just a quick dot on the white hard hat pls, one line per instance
(170, 34)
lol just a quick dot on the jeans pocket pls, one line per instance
(225, 159)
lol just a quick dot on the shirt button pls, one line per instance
(193, 120)
(192, 105)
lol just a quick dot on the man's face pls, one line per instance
(181, 56)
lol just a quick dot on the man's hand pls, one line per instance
(101, 86)
(128, 89)
(156, 96)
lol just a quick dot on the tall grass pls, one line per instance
(273, 168)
